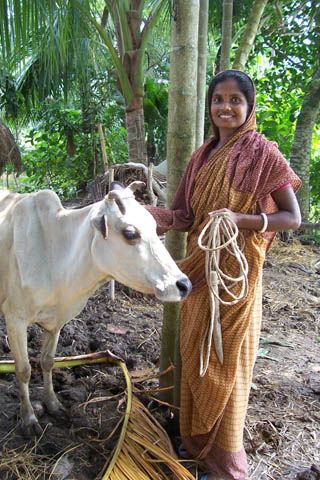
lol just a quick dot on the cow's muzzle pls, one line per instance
(184, 286)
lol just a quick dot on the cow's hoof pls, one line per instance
(58, 411)
(31, 428)
(54, 407)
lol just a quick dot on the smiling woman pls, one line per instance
(240, 173)
(229, 108)
(230, 102)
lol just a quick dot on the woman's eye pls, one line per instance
(236, 100)
(131, 233)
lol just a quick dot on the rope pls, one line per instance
(220, 233)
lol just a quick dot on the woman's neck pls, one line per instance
(224, 137)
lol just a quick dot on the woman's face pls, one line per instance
(229, 107)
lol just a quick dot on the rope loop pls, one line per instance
(220, 233)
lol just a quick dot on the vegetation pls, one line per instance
(67, 67)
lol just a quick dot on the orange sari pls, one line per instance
(240, 176)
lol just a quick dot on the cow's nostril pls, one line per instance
(184, 285)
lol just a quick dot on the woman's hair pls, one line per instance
(244, 82)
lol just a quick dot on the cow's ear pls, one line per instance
(100, 223)
(116, 186)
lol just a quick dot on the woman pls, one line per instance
(240, 172)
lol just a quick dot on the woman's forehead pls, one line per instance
(229, 86)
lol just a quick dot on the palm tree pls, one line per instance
(132, 30)
(53, 33)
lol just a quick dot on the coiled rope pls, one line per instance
(220, 233)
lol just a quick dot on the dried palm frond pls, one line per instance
(143, 450)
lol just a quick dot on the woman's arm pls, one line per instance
(287, 218)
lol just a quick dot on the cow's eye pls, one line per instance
(131, 233)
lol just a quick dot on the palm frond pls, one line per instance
(143, 450)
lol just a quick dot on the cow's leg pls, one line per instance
(17, 334)
(49, 346)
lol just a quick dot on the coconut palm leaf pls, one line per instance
(143, 450)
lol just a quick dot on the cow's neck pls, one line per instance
(79, 267)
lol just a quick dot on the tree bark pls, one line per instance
(301, 147)
(180, 144)
(202, 70)
(249, 34)
(136, 135)
(9, 150)
(226, 40)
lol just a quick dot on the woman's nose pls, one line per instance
(226, 106)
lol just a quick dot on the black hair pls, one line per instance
(244, 82)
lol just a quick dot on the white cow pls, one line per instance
(52, 259)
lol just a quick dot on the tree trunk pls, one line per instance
(180, 144)
(226, 40)
(249, 34)
(9, 150)
(202, 70)
(136, 135)
(301, 147)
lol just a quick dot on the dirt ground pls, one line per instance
(282, 435)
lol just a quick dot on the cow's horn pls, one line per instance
(137, 185)
(115, 195)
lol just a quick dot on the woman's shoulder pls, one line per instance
(257, 141)
(272, 144)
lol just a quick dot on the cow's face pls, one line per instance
(127, 248)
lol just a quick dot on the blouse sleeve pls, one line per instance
(276, 173)
(180, 216)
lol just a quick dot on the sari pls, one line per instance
(240, 176)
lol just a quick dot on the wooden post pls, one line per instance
(111, 178)
(103, 148)
(153, 198)
(112, 282)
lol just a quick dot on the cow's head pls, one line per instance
(127, 248)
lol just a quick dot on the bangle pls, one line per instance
(265, 223)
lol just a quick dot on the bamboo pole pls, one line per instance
(103, 148)
(112, 282)
(111, 178)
